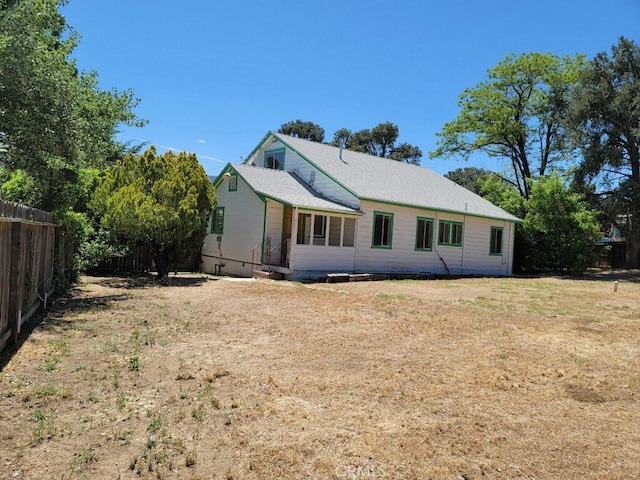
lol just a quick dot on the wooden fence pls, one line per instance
(141, 261)
(27, 251)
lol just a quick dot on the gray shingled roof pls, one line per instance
(376, 178)
(284, 187)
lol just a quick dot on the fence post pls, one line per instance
(16, 291)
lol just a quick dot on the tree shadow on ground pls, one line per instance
(150, 280)
(599, 275)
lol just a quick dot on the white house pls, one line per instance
(308, 209)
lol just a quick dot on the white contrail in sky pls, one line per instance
(173, 149)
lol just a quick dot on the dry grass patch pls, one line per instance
(462, 378)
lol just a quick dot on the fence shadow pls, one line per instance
(57, 316)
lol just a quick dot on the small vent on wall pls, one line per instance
(312, 178)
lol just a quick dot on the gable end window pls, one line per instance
(495, 247)
(217, 220)
(233, 182)
(274, 159)
(424, 234)
(450, 233)
(382, 229)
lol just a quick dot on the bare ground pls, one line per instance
(442, 379)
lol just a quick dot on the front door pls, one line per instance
(286, 236)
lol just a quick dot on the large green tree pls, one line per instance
(54, 120)
(605, 116)
(471, 178)
(379, 141)
(560, 227)
(305, 130)
(516, 115)
(162, 202)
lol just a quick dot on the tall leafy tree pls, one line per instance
(162, 202)
(54, 120)
(517, 115)
(379, 141)
(305, 130)
(605, 117)
(560, 227)
(471, 178)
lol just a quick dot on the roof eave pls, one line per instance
(445, 210)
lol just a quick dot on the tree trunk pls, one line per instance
(633, 237)
(162, 266)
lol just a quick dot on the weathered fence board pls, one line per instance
(27, 251)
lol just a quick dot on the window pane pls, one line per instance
(377, 230)
(319, 224)
(233, 183)
(456, 234)
(443, 235)
(386, 229)
(217, 220)
(496, 241)
(420, 234)
(382, 230)
(304, 229)
(319, 229)
(335, 225)
(274, 159)
(348, 239)
(424, 234)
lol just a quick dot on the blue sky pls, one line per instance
(215, 76)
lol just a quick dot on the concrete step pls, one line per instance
(271, 271)
(267, 274)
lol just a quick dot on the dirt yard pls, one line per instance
(217, 379)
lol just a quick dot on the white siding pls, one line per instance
(477, 259)
(273, 235)
(243, 227)
(470, 258)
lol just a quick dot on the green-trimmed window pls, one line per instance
(217, 220)
(495, 247)
(233, 182)
(450, 233)
(274, 159)
(382, 229)
(424, 234)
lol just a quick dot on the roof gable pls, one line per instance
(284, 187)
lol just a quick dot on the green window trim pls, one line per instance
(496, 240)
(382, 231)
(233, 182)
(450, 233)
(217, 220)
(274, 159)
(424, 234)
